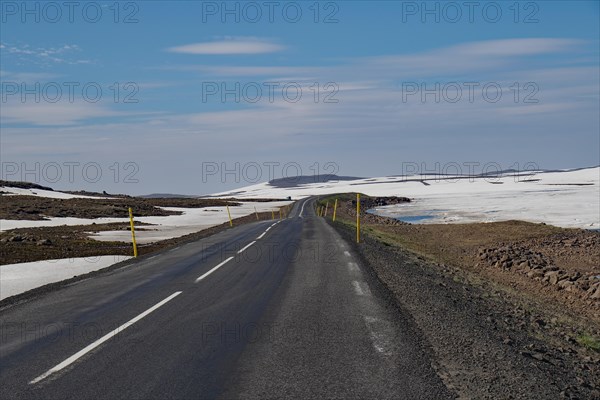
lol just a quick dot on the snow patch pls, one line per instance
(19, 278)
(45, 193)
(565, 198)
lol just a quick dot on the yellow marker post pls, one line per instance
(357, 217)
(256, 212)
(229, 214)
(334, 209)
(272, 214)
(280, 213)
(326, 207)
(132, 232)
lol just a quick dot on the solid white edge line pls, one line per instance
(245, 247)
(214, 269)
(302, 209)
(103, 339)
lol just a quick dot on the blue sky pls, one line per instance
(370, 63)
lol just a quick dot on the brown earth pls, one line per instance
(35, 244)
(40, 208)
(571, 254)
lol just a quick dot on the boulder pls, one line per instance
(552, 277)
(536, 273)
(524, 265)
(565, 285)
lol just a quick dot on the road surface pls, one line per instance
(272, 309)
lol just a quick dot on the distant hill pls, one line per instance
(23, 185)
(306, 179)
(166, 196)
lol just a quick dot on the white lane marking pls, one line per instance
(267, 230)
(245, 247)
(214, 269)
(346, 253)
(150, 258)
(103, 339)
(302, 209)
(361, 288)
(381, 341)
(353, 267)
(261, 235)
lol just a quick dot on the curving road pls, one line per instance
(272, 309)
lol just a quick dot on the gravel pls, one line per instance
(485, 345)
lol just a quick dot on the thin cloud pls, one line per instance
(53, 113)
(516, 47)
(8, 76)
(43, 55)
(468, 57)
(233, 46)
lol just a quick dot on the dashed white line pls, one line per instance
(353, 267)
(346, 253)
(261, 235)
(103, 339)
(381, 341)
(214, 269)
(361, 288)
(245, 247)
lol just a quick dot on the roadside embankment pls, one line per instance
(496, 330)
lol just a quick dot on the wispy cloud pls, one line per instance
(464, 58)
(26, 76)
(238, 45)
(516, 47)
(64, 113)
(43, 55)
(61, 113)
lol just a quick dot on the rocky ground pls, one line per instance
(509, 309)
(35, 244)
(539, 266)
(40, 208)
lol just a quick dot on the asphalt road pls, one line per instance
(272, 309)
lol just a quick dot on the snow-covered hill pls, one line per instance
(568, 198)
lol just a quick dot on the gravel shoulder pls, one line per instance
(491, 336)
